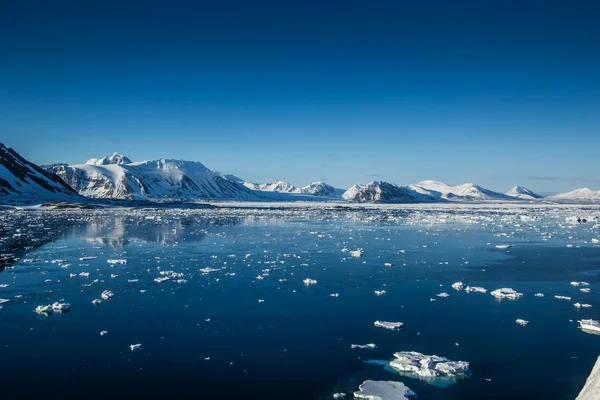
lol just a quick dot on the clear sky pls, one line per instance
(493, 92)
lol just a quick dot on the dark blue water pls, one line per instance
(295, 344)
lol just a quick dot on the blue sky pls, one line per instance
(493, 92)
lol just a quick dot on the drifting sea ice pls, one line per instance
(562, 297)
(117, 261)
(585, 290)
(383, 390)
(394, 326)
(61, 307)
(522, 322)
(443, 294)
(96, 302)
(44, 310)
(380, 292)
(458, 285)
(436, 370)
(135, 347)
(579, 305)
(503, 246)
(506, 293)
(107, 295)
(357, 253)
(475, 289)
(2, 301)
(369, 346)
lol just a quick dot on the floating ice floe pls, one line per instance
(388, 265)
(135, 347)
(334, 295)
(161, 279)
(44, 310)
(4, 285)
(339, 395)
(414, 364)
(506, 293)
(309, 281)
(458, 285)
(380, 292)
(383, 390)
(590, 326)
(357, 253)
(96, 302)
(117, 261)
(61, 307)
(443, 294)
(475, 289)
(579, 305)
(562, 297)
(87, 258)
(595, 241)
(2, 301)
(503, 246)
(394, 326)
(585, 290)
(580, 284)
(368, 346)
(107, 295)
(522, 322)
(102, 333)
(539, 295)
(84, 274)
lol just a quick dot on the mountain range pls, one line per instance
(117, 177)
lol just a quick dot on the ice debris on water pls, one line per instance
(383, 390)
(135, 347)
(562, 297)
(368, 346)
(590, 326)
(458, 286)
(357, 253)
(506, 293)
(117, 261)
(394, 326)
(443, 294)
(339, 395)
(96, 302)
(475, 289)
(415, 364)
(539, 295)
(44, 310)
(522, 322)
(580, 284)
(61, 307)
(87, 258)
(107, 295)
(102, 333)
(585, 290)
(503, 246)
(309, 281)
(380, 292)
(580, 305)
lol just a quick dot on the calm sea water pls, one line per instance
(224, 333)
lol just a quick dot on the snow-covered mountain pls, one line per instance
(583, 195)
(114, 177)
(464, 192)
(520, 192)
(116, 158)
(384, 192)
(321, 189)
(277, 186)
(23, 181)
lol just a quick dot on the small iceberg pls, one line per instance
(44, 310)
(458, 286)
(96, 302)
(522, 322)
(61, 307)
(107, 295)
(579, 305)
(119, 261)
(383, 390)
(475, 289)
(432, 369)
(309, 282)
(539, 295)
(443, 294)
(394, 326)
(506, 293)
(503, 246)
(368, 346)
(380, 292)
(135, 347)
(562, 297)
(102, 333)
(590, 326)
(357, 253)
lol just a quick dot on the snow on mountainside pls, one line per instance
(384, 192)
(520, 192)
(583, 195)
(115, 178)
(321, 189)
(464, 192)
(277, 186)
(21, 180)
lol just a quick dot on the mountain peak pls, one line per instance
(115, 158)
(523, 193)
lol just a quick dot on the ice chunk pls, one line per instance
(503, 246)
(335, 295)
(107, 295)
(339, 395)
(522, 322)
(383, 390)
(161, 279)
(96, 302)
(394, 326)
(357, 253)
(539, 295)
(415, 364)
(2, 301)
(368, 346)
(102, 333)
(475, 289)
(135, 347)
(458, 285)
(443, 294)
(117, 261)
(84, 274)
(388, 264)
(585, 290)
(44, 310)
(590, 326)
(562, 297)
(309, 281)
(61, 307)
(506, 293)
(579, 305)
(87, 258)
(380, 292)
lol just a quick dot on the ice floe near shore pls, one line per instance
(394, 326)
(383, 390)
